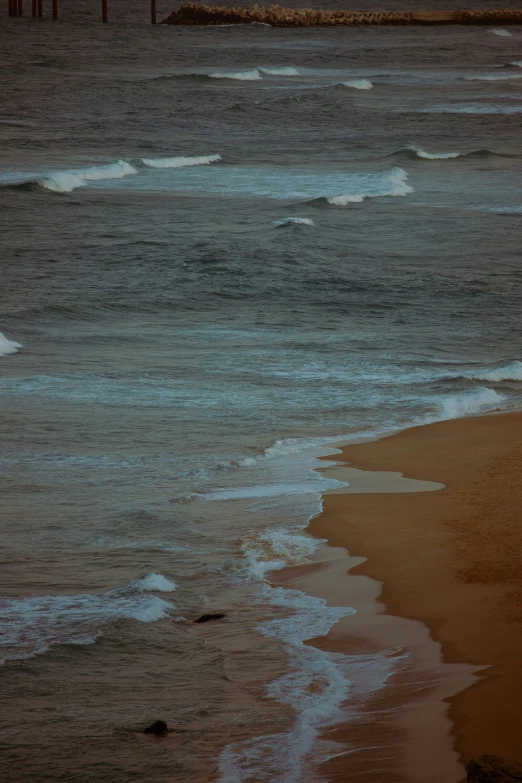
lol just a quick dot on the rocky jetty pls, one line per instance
(276, 16)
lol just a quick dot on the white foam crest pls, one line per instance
(310, 487)
(517, 63)
(393, 183)
(8, 346)
(502, 33)
(66, 181)
(156, 583)
(432, 155)
(342, 201)
(242, 76)
(358, 84)
(287, 446)
(456, 406)
(315, 688)
(248, 462)
(276, 548)
(180, 162)
(297, 221)
(283, 71)
(508, 372)
(494, 77)
(30, 626)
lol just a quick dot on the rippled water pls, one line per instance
(223, 251)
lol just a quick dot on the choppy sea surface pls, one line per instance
(224, 249)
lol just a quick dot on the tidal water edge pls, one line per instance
(224, 250)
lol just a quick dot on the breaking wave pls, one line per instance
(293, 221)
(156, 583)
(508, 372)
(31, 626)
(311, 487)
(493, 77)
(283, 71)
(8, 346)
(456, 406)
(66, 181)
(502, 33)
(358, 84)
(242, 76)
(414, 152)
(420, 153)
(391, 183)
(180, 162)
(274, 549)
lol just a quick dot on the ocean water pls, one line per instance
(225, 251)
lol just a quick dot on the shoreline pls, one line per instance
(458, 578)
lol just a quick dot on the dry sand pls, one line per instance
(450, 558)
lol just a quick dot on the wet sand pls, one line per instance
(449, 558)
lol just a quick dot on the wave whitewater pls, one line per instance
(242, 76)
(392, 183)
(66, 181)
(8, 346)
(493, 77)
(293, 221)
(414, 152)
(70, 179)
(283, 71)
(508, 372)
(31, 626)
(358, 84)
(456, 406)
(180, 162)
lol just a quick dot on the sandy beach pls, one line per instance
(449, 558)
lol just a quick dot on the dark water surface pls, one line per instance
(223, 249)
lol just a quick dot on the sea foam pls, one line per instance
(502, 33)
(457, 406)
(242, 76)
(156, 583)
(432, 155)
(68, 180)
(508, 372)
(31, 626)
(494, 77)
(315, 688)
(358, 84)
(276, 548)
(293, 221)
(8, 346)
(310, 487)
(391, 183)
(283, 71)
(180, 162)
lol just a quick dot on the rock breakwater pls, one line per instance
(276, 16)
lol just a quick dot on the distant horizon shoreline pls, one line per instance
(278, 16)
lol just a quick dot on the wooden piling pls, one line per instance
(55, 10)
(35, 12)
(153, 11)
(104, 10)
(40, 8)
(10, 6)
(20, 8)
